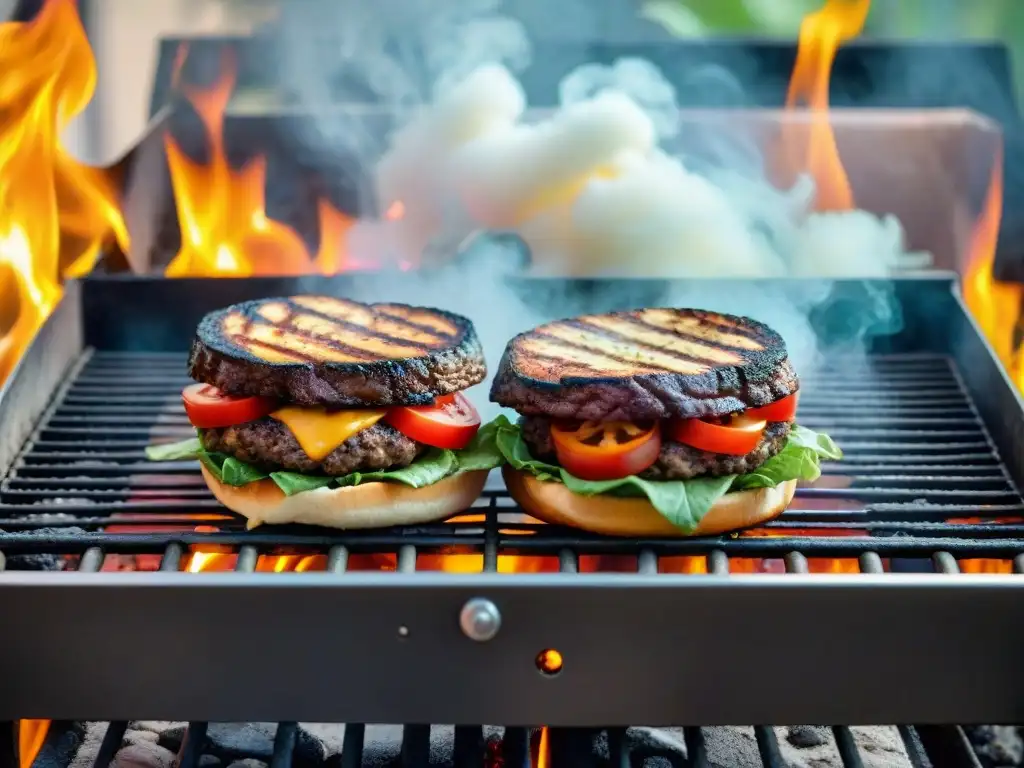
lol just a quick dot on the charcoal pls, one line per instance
(62, 742)
(998, 746)
(135, 737)
(238, 741)
(805, 736)
(40, 561)
(144, 754)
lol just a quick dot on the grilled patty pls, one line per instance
(644, 365)
(322, 350)
(676, 461)
(270, 445)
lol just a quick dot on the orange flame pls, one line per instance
(812, 149)
(31, 736)
(225, 230)
(996, 305)
(55, 213)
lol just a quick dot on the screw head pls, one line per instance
(480, 619)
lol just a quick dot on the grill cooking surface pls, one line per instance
(920, 480)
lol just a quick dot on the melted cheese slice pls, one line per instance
(319, 432)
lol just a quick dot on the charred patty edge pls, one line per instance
(676, 461)
(269, 445)
(765, 377)
(402, 381)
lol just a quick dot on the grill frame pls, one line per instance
(848, 631)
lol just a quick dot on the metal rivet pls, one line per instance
(480, 619)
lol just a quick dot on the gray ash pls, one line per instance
(997, 746)
(41, 561)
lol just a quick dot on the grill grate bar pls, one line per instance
(415, 746)
(112, 740)
(285, 739)
(468, 747)
(847, 748)
(192, 749)
(352, 746)
(696, 747)
(768, 746)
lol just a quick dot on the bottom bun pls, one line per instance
(371, 505)
(553, 503)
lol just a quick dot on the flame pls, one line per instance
(55, 213)
(996, 305)
(543, 750)
(31, 735)
(225, 230)
(812, 149)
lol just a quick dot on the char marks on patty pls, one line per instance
(268, 444)
(676, 460)
(643, 365)
(322, 350)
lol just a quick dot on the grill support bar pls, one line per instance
(908, 630)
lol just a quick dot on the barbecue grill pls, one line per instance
(934, 438)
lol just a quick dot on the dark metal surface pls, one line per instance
(930, 427)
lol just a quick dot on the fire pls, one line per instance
(225, 230)
(31, 735)
(55, 213)
(996, 305)
(812, 149)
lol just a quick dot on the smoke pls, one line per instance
(612, 183)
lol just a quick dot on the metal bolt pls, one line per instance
(480, 619)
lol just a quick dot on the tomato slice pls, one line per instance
(780, 410)
(207, 407)
(737, 435)
(451, 422)
(605, 450)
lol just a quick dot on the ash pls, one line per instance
(997, 746)
(155, 744)
(39, 562)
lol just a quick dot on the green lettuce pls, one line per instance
(431, 467)
(682, 502)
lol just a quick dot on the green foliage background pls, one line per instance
(893, 19)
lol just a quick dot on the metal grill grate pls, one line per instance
(920, 480)
(520, 747)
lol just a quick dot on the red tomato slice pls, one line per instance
(737, 437)
(450, 422)
(605, 451)
(208, 407)
(780, 410)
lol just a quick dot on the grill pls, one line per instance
(921, 625)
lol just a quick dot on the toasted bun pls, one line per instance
(372, 505)
(612, 516)
(645, 364)
(324, 350)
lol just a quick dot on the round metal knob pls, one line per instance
(480, 619)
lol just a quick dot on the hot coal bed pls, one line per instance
(690, 637)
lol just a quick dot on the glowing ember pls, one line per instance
(31, 735)
(815, 152)
(55, 213)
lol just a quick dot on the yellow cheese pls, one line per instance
(319, 432)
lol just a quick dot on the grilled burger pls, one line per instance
(655, 422)
(321, 410)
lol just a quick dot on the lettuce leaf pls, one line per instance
(431, 467)
(682, 502)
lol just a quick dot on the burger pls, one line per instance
(654, 422)
(321, 410)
